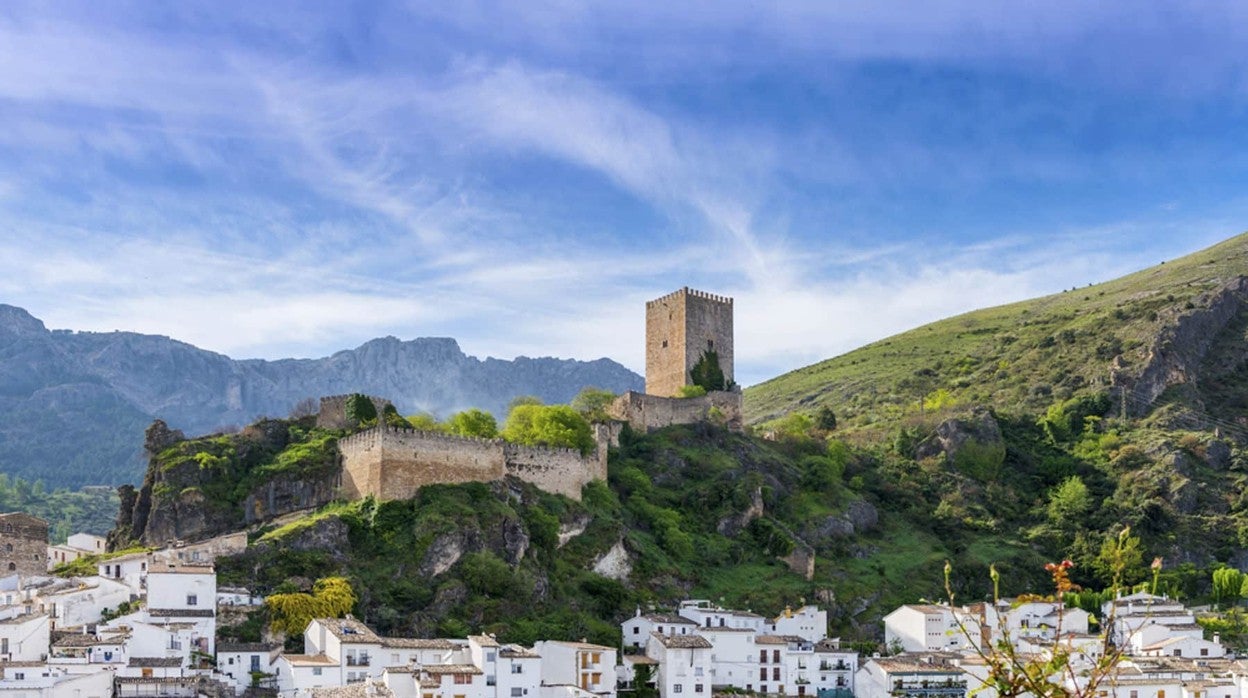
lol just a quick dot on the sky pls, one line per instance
(282, 179)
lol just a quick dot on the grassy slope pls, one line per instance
(1017, 357)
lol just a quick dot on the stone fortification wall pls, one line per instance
(389, 463)
(560, 470)
(333, 412)
(644, 412)
(680, 327)
(23, 545)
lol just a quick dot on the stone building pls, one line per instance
(23, 544)
(680, 328)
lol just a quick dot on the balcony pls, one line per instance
(362, 660)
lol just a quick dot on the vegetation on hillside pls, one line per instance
(89, 510)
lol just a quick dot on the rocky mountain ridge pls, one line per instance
(73, 405)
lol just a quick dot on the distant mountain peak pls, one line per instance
(16, 322)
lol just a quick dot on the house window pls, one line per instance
(462, 679)
(192, 600)
(697, 688)
(762, 656)
(660, 630)
(775, 656)
(20, 676)
(1135, 694)
(255, 662)
(516, 692)
(316, 671)
(1204, 651)
(1178, 653)
(775, 674)
(762, 673)
(1161, 693)
(801, 690)
(636, 630)
(517, 668)
(677, 688)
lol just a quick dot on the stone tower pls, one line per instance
(680, 327)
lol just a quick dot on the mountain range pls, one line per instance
(73, 405)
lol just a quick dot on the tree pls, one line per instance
(1228, 585)
(549, 425)
(1069, 502)
(707, 373)
(1121, 559)
(331, 597)
(306, 407)
(643, 681)
(423, 421)
(473, 422)
(825, 419)
(523, 400)
(592, 403)
(393, 419)
(360, 410)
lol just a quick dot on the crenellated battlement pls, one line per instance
(686, 291)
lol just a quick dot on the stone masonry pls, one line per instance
(680, 328)
(23, 545)
(389, 463)
(645, 412)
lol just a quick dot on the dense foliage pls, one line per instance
(89, 510)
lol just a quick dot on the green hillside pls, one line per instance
(1024, 356)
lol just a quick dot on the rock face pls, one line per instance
(1177, 354)
(171, 505)
(80, 400)
(971, 444)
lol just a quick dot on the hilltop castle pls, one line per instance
(681, 329)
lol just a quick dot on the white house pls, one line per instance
(1184, 646)
(926, 628)
(836, 667)
(684, 665)
(453, 681)
(808, 622)
(239, 661)
(583, 665)
(81, 652)
(519, 672)
(637, 630)
(127, 569)
(186, 594)
(25, 638)
(734, 657)
(297, 674)
(709, 615)
(80, 601)
(37, 680)
(909, 676)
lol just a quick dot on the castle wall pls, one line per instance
(361, 464)
(389, 463)
(644, 412)
(412, 459)
(560, 470)
(680, 327)
(333, 412)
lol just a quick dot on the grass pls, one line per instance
(1020, 356)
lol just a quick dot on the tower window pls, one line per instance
(710, 344)
(665, 344)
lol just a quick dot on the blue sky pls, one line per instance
(290, 179)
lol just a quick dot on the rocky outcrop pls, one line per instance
(732, 525)
(171, 504)
(859, 517)
(972, 444)
(1175, 356)
(615, 563)
(81, 399)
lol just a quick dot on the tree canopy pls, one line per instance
(473, 422)
(548, 425)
